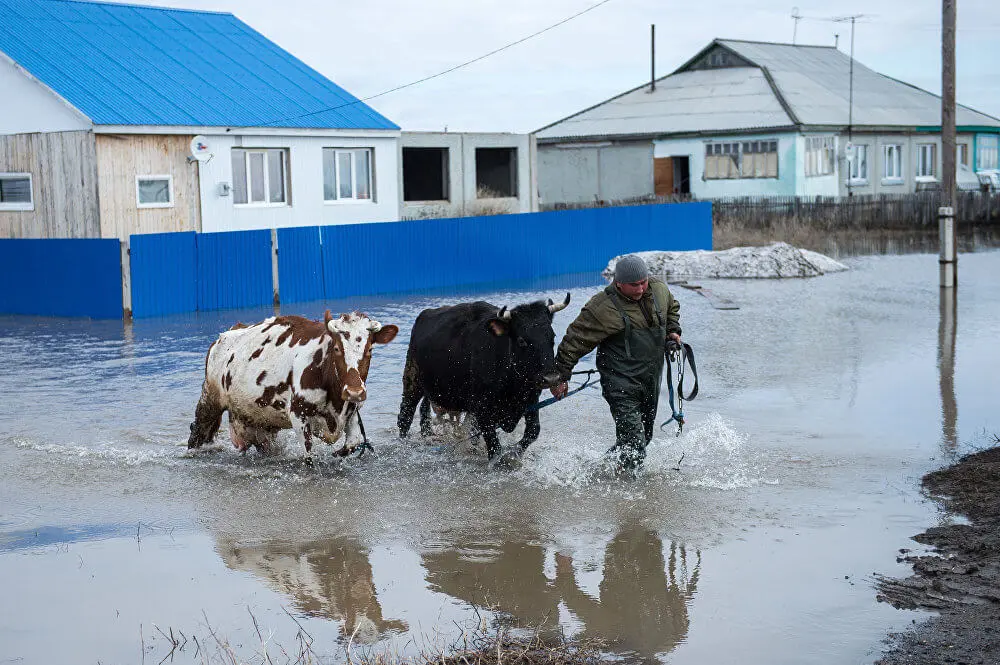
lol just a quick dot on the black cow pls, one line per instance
(482, 360)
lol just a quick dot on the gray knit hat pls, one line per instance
(630, 268)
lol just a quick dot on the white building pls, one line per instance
(752, 118)
(103, 101)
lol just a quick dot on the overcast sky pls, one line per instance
(368, 47)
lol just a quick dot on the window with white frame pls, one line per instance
(260, 176)
(821, 154)
(962, 154)
(892, 162)
(987, 153)
(15, 192)
(926, 160)
(347, 174)
(744, 159)
(858, 164)
(154, 191)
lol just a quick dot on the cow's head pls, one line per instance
(351, 347)
(532, 340)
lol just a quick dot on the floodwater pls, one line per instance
(753, 537)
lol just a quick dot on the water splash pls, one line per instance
(711, 455)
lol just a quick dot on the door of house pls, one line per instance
(671, 175)
(663, 176)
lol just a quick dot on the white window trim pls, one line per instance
(994, 149)
(353, 200)
(20, 207)
(920, 156)
(823, 147)
(891, 181)
(267, 178)
(850, 165)
(170, 189)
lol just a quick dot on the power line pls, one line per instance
(446, 71)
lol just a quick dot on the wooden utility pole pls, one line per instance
(948, 228)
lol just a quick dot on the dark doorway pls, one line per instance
(496, 172)
(682, 175)
(425, 174)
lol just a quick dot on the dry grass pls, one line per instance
(503, 644)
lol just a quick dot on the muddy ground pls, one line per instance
(960, 577)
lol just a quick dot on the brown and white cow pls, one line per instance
(289, 372)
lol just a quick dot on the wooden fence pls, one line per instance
(881, 211)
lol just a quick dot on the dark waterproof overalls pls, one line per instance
(631, 366)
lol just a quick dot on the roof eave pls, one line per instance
(659, 136)
(261, 131)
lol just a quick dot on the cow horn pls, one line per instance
(561, 306)
(374, 326)
(503, 314)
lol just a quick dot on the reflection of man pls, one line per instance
(327, 578)
(641, 605)
(509, 577)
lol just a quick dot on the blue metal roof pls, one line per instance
(138, 65)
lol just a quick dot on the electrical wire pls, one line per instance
(446, 71)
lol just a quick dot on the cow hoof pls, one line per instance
(509, 461)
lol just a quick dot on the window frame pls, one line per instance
(353, 199)
(170, 191)
(993, 150)
(859, 179)
(266, 203)
(735, 159)
(962, 154)
(19, 206)
(918, 171)
(898, 162)
(821, 156)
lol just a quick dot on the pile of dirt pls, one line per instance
(961, 578)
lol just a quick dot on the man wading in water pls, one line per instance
(629, 322)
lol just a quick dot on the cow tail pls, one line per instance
(411, 394)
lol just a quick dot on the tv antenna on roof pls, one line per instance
(796, 16)
(850, 103)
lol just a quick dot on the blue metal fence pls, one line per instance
(61, 277)
(300, 264)
(182, 272)
(368, 259)
(164, 273)
(234, 270)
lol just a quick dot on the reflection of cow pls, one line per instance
(643, 599)
(327, 578)
(484, 360)
(288, 371)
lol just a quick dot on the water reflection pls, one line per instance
(330, 578)
(947, 332)
(641, 604)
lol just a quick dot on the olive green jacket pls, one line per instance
(599, 319)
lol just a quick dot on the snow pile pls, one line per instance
(772, 261)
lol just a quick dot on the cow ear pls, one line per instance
(327, 318)
(386, 334)
(498, 327)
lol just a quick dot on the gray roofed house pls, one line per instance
(756, 118)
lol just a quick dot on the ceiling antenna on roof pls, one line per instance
(796, 16)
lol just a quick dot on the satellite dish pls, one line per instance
(200, 149)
